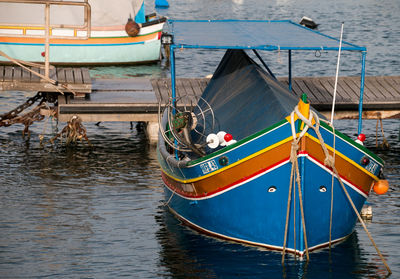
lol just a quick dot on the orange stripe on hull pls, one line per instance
(346, 170)
(231, 176)
(262, 163)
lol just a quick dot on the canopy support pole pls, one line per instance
(172, 65)
(360, 104)
(290, 69)
(173, 85)
(264, 64)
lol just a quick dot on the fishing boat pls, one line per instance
(249, 161)
(90, 32)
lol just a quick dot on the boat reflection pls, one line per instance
(187, 254)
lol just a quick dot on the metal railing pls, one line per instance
(47, 35)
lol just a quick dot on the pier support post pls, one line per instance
(152, 132)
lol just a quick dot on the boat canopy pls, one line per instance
(252, 34)
(268, 35)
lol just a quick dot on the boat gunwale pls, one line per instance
(226, 149)
(261, 133)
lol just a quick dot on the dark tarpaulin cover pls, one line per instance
(245, 98)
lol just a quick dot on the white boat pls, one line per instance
(22, 32)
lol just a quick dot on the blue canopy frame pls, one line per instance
(267, 35)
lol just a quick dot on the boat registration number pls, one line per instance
(372, 167)
(208, 166)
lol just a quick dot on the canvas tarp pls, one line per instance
(244, 97)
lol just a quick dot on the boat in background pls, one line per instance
(22, 33)
(250, 161)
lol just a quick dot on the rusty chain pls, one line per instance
(14, 113)
(27, 119)
(73, 131)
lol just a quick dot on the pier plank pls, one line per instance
(316, 87)
(17, 73)
(26, 76)
(351, 87)
(354, 95)
(139, 84)
(355, 82)
(86, 76)
(196, 86)
(53, 73)
(388, 87)
(374, 91)
(1, 73)
(35, 78)
(305, 89)
(69, 75)
(61, 75)
(394, 86)
(384, 92)
(8, 73)
(318, 95)
(77, 75)
(341, 95)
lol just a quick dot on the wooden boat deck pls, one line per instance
(15, 78)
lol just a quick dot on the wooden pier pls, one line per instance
(136, 99)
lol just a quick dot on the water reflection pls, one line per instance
(187, 254)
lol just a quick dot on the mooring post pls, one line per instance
(152, 132)
(47, 41)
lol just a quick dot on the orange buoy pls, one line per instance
(381, 186)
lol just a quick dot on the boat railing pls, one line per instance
(51, 31)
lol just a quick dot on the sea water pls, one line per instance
(98, 212)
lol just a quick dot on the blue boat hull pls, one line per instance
(251, 214)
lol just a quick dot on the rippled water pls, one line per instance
(97, 212)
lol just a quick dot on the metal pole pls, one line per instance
(47, 40)
(173, 88)
(290, 69)
(264, 64)
(172, 61)
(360, 104)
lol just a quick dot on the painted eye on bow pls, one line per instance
(271, 189)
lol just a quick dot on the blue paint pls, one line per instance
(140, 16)
(161, 4)
(251, 213)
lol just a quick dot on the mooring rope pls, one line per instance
(329, 162)
(295, 174)
(385, 144)
(287, 215)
